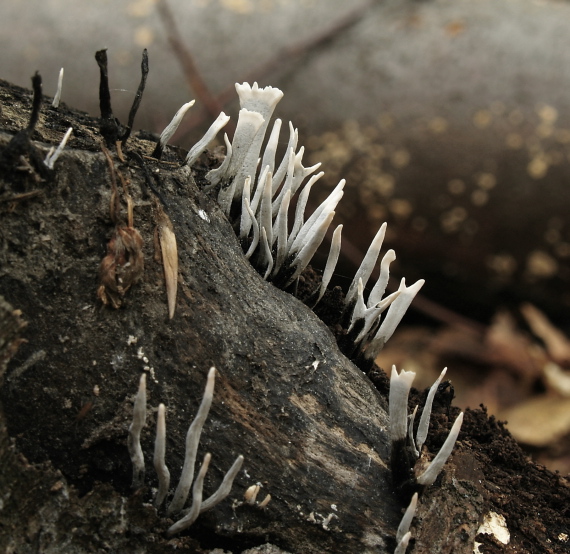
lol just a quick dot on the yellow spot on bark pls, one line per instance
(454, 28)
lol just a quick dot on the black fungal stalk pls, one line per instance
(109, 127)
(20, 154)
(36, 102)
(138, 97)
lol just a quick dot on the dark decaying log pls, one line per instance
(311, 425)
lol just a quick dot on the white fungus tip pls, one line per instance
(400, 385)
(429, 476)
(171, 128)
(57, 97)
(403, 544)
(426, 413)
(404, 526)
(197, 150)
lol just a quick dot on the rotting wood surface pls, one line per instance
(311, 426)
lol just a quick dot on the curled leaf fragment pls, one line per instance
(169, 251)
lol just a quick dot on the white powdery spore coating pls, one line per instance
(248, 125)
(395, 314)
(400, 385)
(404, 526)
(54, 154)
(171, 128)
(271, 148)
(315, 220)
(57, 97)
(282, 169)
(134, 438)
(263, 102)
(225, 488)
(159, 455)
(197, 150)
(403, 544)
(194, 512)
(192, 440)
(430, 474)
(379, 288)
(260, 100)
(368, 263)
(332, 259)
(426, 413)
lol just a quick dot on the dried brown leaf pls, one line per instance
(170, 263)
(556, 342)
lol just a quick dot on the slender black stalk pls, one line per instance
(109, 127)
(138, 97)
(20, 150)
(36, 102)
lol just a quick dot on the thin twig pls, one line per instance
(288, 55)
(186, 60)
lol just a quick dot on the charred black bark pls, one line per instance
(310, 424)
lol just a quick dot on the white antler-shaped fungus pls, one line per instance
(194, 512)
(430, 474)
(57, 97)
(367, 265)
(395, 314)
(134, 440)
(403, 544)
(172, 127)
(197, 150)
(423, 426)
(159, 454)
(247, 127)
(400, 385)
(332, 259)
(192, 440)
(404, 526)
(55, 153)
